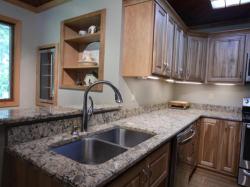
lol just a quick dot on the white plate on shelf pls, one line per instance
(91, 53)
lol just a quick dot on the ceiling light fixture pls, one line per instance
(232, 3)
(217, 4)
(244, 1)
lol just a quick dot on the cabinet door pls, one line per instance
(209, 143)
(137, 176)
(159, 40)
(158, 166)
(226, 56)
(138, 33)
(196, 58)
(230, 147)
(169, 47)
(180, 42)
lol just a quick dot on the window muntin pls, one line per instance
(6, 61)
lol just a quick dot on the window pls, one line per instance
(9, 61)
(6, 57)
(47, 70)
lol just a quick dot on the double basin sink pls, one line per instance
(101, 147)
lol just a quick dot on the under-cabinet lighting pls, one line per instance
(170, 80)
(153, 77)
(217, 4)
(224, 84)
(186, 82)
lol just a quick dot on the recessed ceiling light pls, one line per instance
(244, 1)
(232, 3)
(218, 4)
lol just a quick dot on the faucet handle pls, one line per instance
(91, 108)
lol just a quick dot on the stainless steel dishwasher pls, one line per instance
(184, 157)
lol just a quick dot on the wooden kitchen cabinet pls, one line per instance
(169, 47)
(196, 58)
(153, 171)
(219, 145)
(160, 30)
(209, 147)
(229, 147)
(138, 29)
(226, 59)
(180, 51)
(148, 40)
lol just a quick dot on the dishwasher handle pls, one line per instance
(188, 139)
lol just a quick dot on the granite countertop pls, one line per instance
(18, 115)
(164, 123)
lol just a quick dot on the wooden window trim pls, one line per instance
(14, 101)
(40, 102)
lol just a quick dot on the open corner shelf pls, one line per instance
(73, 45)
(88, 38)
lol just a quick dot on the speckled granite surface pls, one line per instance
(15, 116)
(164, 123)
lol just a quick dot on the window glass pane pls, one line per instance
(5, 60)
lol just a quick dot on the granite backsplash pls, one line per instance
(38, 130)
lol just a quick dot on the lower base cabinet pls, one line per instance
(153, 171)
(219, 147)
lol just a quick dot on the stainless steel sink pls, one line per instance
(89, 151)
(124, 137)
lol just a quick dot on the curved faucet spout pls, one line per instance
(87, 113)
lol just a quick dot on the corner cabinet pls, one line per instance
(226, 59)
(219, 147)
(196, 58)
(152, 171)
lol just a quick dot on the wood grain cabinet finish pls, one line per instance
(180, 47)
(230, 147)
(137, 49)
(153, 171)
(169, 47)
(209, 147)
(226, 59)
(219, 145)
(196, 58)
(160, 30)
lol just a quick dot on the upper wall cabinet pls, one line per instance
(196, 58)
(180, 52)
(149, 41)
(138, 32)
(160, 38)
(169, 52)
(226, 59)
(163, 43)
